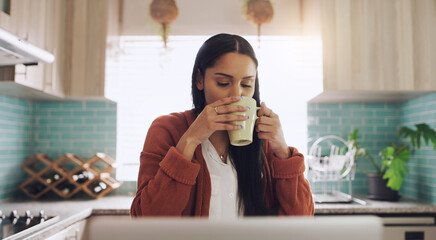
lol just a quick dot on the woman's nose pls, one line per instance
(236, 91)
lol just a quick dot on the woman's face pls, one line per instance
(233, 74)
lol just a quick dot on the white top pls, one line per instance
(224, 181)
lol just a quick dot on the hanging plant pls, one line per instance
(164, 12)
(259, 12)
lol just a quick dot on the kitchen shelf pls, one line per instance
(68, 175)
(52, 177)
(34, 188)
(37, 164)
(101, 162)
(67, 163)
(101, 186)
(66, 188)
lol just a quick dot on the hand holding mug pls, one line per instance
(244, 136)
(214, 117)
(269, 128)
(267, 125)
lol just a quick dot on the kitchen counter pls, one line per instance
(71, 211)
(404, 206)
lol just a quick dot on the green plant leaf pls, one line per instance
(426, 132)
(433, 141)
(403, 154)
(423, 131)
(353, 142)
(408, 132)
(388, 152)
(354, 135)
(405, 132)
(395, 180)
(386, 162)
(397, 168)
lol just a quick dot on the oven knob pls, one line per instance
(2, 216)
(42, 216)
(27, 214)
(14, 214)
(14, 217)
(28, 217)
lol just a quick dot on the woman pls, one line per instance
(188, 167)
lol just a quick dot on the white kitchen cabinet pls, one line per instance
(39, 23)
(373, 47)
(90, 25)
(30, 76)
(55, 43)
(417, 227)
(5, 17)
(26, 20)
(76, 32)
(73, 232)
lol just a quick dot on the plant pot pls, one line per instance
(259, 12)
(378, 189)
(164, 12)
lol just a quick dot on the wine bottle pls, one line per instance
(82, 176)
(66, 187)
(98, 187)
(35, 188)
(53, 177)
(79, 177)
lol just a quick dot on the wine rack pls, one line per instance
(68, 175)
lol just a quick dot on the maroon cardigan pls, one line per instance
(170, 185)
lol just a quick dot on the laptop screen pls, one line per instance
(251, 228)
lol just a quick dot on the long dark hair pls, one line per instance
(247, 160)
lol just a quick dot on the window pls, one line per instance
(153, 81)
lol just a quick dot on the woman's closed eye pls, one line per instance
(223, 84)
(227, 84)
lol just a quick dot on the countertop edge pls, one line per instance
(74, 211)
(60, 225)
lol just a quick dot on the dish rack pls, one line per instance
(331, 162)
(68, 175)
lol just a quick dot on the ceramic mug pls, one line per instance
(244, 136)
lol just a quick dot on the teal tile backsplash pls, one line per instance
(83, 128)
(375, 122)
(378, 125)
(421, 181)
(15, 143)
(54, 128)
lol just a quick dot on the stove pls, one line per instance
(16, 226)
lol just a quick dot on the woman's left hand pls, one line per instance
(269, 128)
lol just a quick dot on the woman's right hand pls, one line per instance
(214, 117)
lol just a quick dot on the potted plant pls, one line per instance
(390, 167)
(164, 12)
(258, 12)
